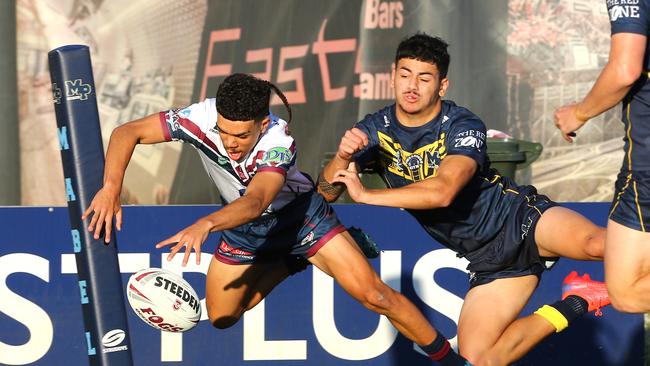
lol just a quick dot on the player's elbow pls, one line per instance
(255, 208)
(445, 202)
(127, 132)
(257, 211)
(439, 199)
(631, 76)
(628, 74)
(121, 132)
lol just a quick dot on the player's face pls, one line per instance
(239, 137)
(418, 87)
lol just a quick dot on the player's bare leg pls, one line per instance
(233, 289)
(346, 264)
(627, 268)
(343, 260)
(579, 295)
(559, 232)
(488, 310)
(562, 232)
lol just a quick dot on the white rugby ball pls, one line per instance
(164, 300)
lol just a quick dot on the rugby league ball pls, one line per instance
(164, 300)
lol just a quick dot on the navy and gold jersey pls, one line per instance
(631, 203)
(403, 155)
(633, 16)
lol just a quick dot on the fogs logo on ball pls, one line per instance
(163, 300)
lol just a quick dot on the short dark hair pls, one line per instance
(243, 97)
(425, 48)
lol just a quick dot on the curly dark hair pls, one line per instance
(243, 97)
(425, 48)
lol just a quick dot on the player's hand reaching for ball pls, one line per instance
(103, 207)
(192, 236)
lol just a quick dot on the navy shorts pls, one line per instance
(299, 229)
(631, 204)
(513, 252)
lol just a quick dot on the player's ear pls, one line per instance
(265, 123)
(392, 76)
(444, 84)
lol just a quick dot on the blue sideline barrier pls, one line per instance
(306, 320)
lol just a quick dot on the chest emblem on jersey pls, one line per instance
(414, 166)
(223, 161)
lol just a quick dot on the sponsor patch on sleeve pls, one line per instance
(277, 156)
(471, 138)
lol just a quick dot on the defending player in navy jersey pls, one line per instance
(625, 78)
(432, 155)
(273, 221)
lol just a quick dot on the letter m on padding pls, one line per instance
(76, 89)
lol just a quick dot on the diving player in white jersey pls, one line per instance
(272, 214)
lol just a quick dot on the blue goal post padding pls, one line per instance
(100, 287)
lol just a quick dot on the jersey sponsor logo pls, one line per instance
(308, 238)
(228, 250)
(171, 117)
(414, 166)
(525, 227)
(223, 161)
(277, 156)
(623, 9)
(471, 138)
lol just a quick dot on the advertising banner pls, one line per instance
(306, 320)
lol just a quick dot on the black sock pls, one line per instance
(572, 307)
(440, 350)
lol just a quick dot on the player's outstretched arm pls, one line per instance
(621, 72)
(454, 173)
(352, 141)
(106, 202)
(261, 191)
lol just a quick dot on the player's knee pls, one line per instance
(221, 319)
(379, 298)
(626, 300)
(473, 357)
(488, 361)
(224, 322)
(595, 246)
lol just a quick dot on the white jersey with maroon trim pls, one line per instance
(275, 151)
